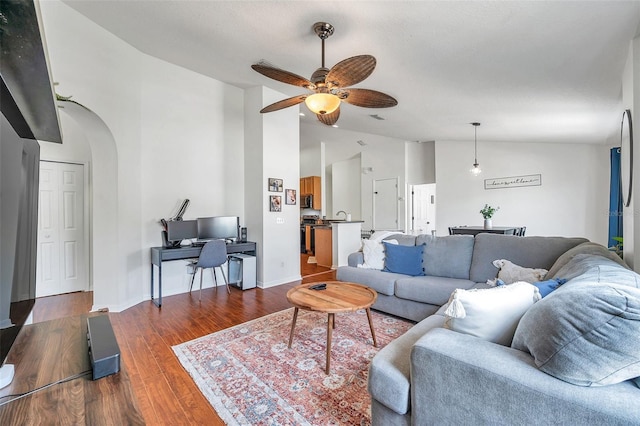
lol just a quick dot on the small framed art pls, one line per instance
(275, 203)
(275, 185)
(290, 197)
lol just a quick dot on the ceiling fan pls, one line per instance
(329, 87)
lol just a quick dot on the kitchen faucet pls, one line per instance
(342, 211)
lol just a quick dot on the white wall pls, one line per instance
(421, 162)
(572, 200)
(631, 100)
(270, 139)
(346, 188)
(177, 135)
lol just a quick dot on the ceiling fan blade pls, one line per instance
(329, 119)
(283, 76)
(351, 71)
(285, 103)
(368, 98)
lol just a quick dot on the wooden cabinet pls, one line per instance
(311, 185)
(324, 252)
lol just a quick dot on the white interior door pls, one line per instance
(61, 240)
(385, 204)
(423, 208)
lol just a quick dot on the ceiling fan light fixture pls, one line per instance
(322, 103)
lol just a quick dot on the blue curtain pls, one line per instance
(615, 198)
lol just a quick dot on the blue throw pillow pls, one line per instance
(403, 259)
(548, 286)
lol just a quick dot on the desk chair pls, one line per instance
(212, 256)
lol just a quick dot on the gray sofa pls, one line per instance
(433, 375)
(450, 262)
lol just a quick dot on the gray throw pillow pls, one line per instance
(585, 333)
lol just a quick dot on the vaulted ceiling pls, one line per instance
(529, 71)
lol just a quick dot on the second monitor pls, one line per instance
(218, 228)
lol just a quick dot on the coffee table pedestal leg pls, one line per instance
(330, 325)
(293, 325)
(373, 333)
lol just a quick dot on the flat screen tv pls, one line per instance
(19, 175)
(218, 228)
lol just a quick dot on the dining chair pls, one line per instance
(212, 256)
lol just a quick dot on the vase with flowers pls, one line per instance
(487, 213)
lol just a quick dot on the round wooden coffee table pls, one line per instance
(338, 296)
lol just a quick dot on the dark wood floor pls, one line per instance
(164, 390)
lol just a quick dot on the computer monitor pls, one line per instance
(178, 230)
(218, 228)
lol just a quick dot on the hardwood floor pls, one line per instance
(164, 390)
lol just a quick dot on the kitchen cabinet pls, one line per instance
(323, 246)
(310, 185)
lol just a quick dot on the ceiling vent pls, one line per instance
(376, 116)
(362, 143)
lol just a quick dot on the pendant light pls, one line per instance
(475, 170)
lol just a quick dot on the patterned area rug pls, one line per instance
(251, 377)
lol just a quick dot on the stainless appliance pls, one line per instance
(306, 201)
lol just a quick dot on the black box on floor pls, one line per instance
(104, 351)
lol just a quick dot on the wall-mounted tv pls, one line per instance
(19, 175)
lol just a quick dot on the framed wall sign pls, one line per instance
(513, 182)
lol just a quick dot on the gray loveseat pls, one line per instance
(433, 375)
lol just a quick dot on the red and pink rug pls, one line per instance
(251, 377)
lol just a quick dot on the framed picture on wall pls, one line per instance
(275, 185)
(290, 197)
(275, 203)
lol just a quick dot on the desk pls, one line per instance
(163, 254)
(475, 230)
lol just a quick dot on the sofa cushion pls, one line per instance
(427, 289)
(448, 256)
(584, 248)
(584, 333)
(492, 314)
(382, 282)
(403, 259)
(528, 252)
(389, 373)
(596, 268)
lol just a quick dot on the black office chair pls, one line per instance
(212, 256)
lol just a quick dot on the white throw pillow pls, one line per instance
(490, 314)
(373, 252)
(510, 273)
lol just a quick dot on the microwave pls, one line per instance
(306, 201)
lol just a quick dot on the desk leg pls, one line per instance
(159, 302)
